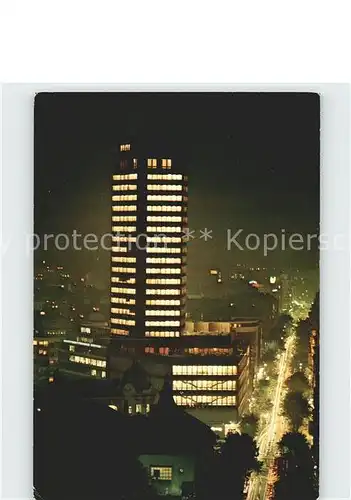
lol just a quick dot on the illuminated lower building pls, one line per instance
(85, 354)
(211, 375)
(148, 259)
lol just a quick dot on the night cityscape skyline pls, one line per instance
(197, 361)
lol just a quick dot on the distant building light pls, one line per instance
(275, 290)
(217, 429)
(42, 313)
(214, 272)
(272, 279)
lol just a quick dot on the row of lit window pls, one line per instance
(164, 229)
(96, 373)
(125, 260)
(163, 281)
(204, 385)
(117, 310)
(119, 331)
(161, 312)
(124, 269)
(124, 197)
(124, 208)
(129, 281)
(124, 187)
(130, 291)
(164, 218)
(204, 370)
(122, 300)
(163, 270)
(165, 177)
(162, 197)
(164, 239)
(164, 250)
(85, 329)
(124, 177)
(88, 361)
(209, 351)
(124, 229)
(205, 400)
(163, 260)
(41, 342)
(124, 147)
(120, 321)
(163, 302)
(161, 334)
(162, 323)
(164, 208)
(124, 218)
(164, 187)
(161, 473)
(165, 162)
(166, 291)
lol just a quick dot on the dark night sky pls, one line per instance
(252, 159)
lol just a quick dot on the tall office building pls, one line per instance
(148, 268)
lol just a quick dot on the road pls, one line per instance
(275, 429)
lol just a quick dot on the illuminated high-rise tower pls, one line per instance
(148, 268)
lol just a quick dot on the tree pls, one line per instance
(236, 461)
(298, 382)
(295, 408)
(249, 425)
(295, 469)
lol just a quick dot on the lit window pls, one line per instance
(121, 321)
(162, 323)
(125, 260)
(164, 351)
(124, 218)
(124, 229)
(204, 370)
(124, 269)
(124, 177)
(163, 302)
(163, 270)
(138, 408)
(164, 218)
(163, 229)
(152, 162)
(93, 372)
(163, 250)
(162, 291)
(163, 281)
(161, 312)
(162, 239)
(124, 197)
(130, 410)
(118, 331)
(161, 473)
(130, 291)
(204, 385)
(124, 187)
(164, 208)
(163, 333)
(103, 374)
(72, 348)
(116, 310)
(51, 379)
(147, 408)
(124, 147)
(149, 350)
(165, 177)
(119, 249)
(129, 281)
(161, 197)
(163, 260)
(122, 300)
(164, 187)
(205, 400)
(124, 208)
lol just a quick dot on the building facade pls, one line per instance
(148, 268)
